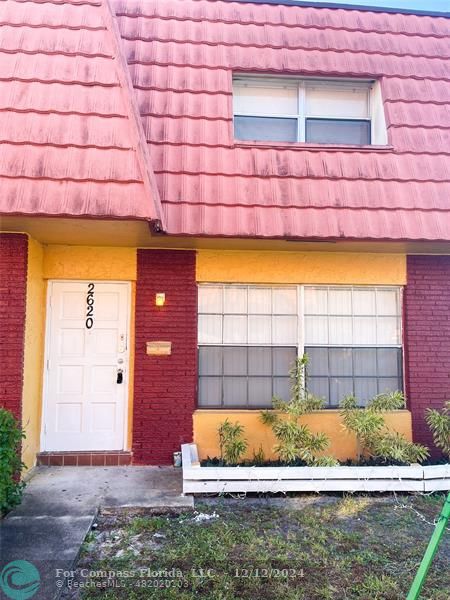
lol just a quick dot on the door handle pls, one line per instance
(119, 376)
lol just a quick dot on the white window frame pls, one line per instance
(375, 110)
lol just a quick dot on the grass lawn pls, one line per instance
(310, 547)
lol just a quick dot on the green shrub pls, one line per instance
(231, 443)
(373, 436)
(11, 466)
(439, 423)
(295, 440)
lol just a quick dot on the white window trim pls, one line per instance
(375, 108)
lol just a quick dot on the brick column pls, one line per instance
(13, 292)
(165, 386)
(427, 339)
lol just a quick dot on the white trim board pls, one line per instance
(222, 480)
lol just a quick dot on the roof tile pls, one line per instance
(70, 142)
(182, 55)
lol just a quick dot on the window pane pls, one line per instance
(339, 389)
(340, 302)
(210, 360)
(210, 329)
(210, 299)
(316, 330)
(284, 330)
(319, 387)
(260, 301)
(284, 301)
(210, 391)
(364, 330)
(260, 391)
(388, 362)
(235, 391)
(389, 385)
(340, 330)
(365, 361)
(332, 101)
(331, 131)
(235, 300)
(234, 329)
(260, 361)
(265, 129)
(316, 301)
(271, 100)
(318, 361)
(340, 361)
(235, 361)
(282, 388)
(364, 302)
(387, 302)
(365, 389)
(388, 330)
(283, 360)
(259, 329)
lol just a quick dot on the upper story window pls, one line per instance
(315, 111)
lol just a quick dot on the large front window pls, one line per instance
(250, 335)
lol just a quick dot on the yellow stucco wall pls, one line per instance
(33, 353)
(90, 262)
(300, 267)
(342, 444)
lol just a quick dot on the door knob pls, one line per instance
(119, 376)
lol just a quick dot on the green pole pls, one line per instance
(432, 547)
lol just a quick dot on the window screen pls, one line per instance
(337, 131)
(353, 339)
(247, 344)
(243, 376)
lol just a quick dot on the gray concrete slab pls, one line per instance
(60, 503)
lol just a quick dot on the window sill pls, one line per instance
(311, 147)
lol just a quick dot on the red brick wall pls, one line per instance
(164, 387)
(13, 290)
(427, 338)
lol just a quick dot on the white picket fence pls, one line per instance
(220, 480)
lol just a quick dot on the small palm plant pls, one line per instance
(232, 444)
(439, 423)
(295, 440)
(372, 434)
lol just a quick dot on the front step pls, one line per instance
(84, 459)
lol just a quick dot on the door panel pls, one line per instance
(85, 406)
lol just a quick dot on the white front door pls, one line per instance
(86, 371)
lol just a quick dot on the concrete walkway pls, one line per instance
(60, 504)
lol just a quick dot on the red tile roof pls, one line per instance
(71, 140)
(182, 54)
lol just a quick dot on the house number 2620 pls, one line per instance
(90, 306)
